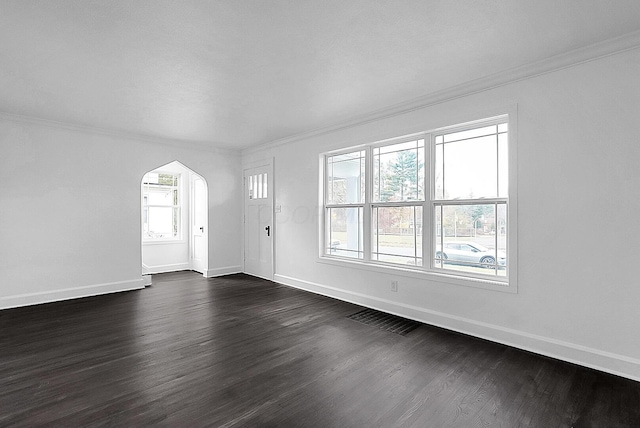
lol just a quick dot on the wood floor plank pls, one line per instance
(239, 351)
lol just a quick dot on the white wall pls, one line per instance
(158, 257)
(70, 209)
(578, 174)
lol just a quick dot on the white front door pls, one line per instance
(199, 225)
(258, 225)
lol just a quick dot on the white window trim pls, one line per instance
(427, 271)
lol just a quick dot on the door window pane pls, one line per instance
(257, 186)
(265, 186)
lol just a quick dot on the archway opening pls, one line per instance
(174, 220)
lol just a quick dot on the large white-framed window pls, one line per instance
(161, 206)
(433, 203)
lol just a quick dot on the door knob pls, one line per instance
(201, 228)
(268, 229)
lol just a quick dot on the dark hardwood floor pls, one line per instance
(240, 351)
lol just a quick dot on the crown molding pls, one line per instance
(143, 138)
(554, 63)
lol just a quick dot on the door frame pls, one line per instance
(269, 163)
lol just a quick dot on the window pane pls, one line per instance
(344, 237)
(265, 186)
(469, 168)
(501, 241)
(467, 236)
(161, 210)
(160, 222)
(160, 179)
(176, 222)
(437, 236)
(439, 171)
(503, 166)
(160, 189)
(254, 179)
(345, 178)
(398, 147)
(398, 172)
(145, 221)
(470, 133)
(397, 235)
(150, 178)
(159, 196)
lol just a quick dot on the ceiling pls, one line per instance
(239, 73)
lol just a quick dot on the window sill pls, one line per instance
(165, 242)
(505, 286)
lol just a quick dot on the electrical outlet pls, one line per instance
(394, 285)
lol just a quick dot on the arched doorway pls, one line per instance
(174, 216)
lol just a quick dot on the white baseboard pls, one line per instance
(146, 280)
(69, 293)
(174, 267)
(598, 359)
(227, 270)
